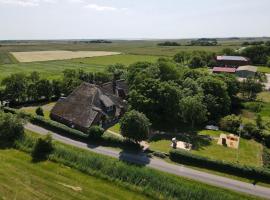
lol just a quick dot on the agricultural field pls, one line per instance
(36, 56)
(22, 179)
(54, 69)
(46, 109)
(250, 152)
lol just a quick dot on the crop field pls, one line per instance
(22, 179)
(54, 69)
(35, 56)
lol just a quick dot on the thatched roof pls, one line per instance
(84, 104)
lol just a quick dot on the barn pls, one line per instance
(232, 61)
(246, 71)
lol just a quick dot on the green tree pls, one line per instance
(11, 128)
(182, 57)
(16, 87)
(95, 132)
(230, 123)
(44, 89)
(250, 88)
(193, 110)
(228, 52)
(268, 62)
(216, 97)
(39, 111)
(259, 122)
(57, 88)
(118, 70)
(42, 148)
(196, 62)
(135, 126)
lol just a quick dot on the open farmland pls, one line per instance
(54, 69)
(34, 56)
(22, 179)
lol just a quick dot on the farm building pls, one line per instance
(232, 61)
(89, 105)
(246, 71)
(224, 70)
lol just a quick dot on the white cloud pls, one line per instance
(26, 3)
(101, 8)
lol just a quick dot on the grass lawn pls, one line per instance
(21, 179)
(264, 69)
(54, 69)
(46, 109)
(115, 128)
(250, 151)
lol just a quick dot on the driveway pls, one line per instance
(155, 163)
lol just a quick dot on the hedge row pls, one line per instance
(266, 157)
(184, 157)
(106, 140)
(147, 181)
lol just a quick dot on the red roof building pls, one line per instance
(224, 70)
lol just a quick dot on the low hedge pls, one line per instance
(184, 157)
(107, 139)
(266, 157)
(147, 181)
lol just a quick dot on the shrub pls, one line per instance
(95, 132)
(230, 123)
(254, 106)
(230, 168)
(266, 157)
(39, 111)
(250, 130)
(42, 148)
(11, 128)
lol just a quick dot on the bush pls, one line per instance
(39, 111)
(250, 130)
(95, 132)
(230, 168)
(230, 123)
(42, 148)
(11, 128)
(266, 157)
(254, 106)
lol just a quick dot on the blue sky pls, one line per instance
(86, 19)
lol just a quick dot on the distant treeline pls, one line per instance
(95, 42)
(267, 43)
(168, 43)
(198, 42)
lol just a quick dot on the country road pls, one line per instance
(179, 170)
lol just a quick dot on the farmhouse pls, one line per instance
(89, 105)
(232, 61)
(230, 70)
(246, 71)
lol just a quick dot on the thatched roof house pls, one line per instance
(88, 105)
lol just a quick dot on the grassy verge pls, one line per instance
(264, 69)
(46, 109)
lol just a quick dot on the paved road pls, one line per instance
(161, 165)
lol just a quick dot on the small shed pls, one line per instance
(246, 71)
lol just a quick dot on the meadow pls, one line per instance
(22, 179)
(54, 69)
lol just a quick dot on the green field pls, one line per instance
(250, 151)
(264, 69)
(54, 69)
(21, 179)
(46, 109)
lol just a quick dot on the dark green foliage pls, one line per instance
(216, 96)
(230, 123)
(39, 111)
(184, 157)
(250, 88)
(169, 43)
(42, 148)
(266, 157)
(135, 126)
(196, 62)
(11, 128)
(254, 106)
(251, 131)
(95, 132)
(258, 54)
